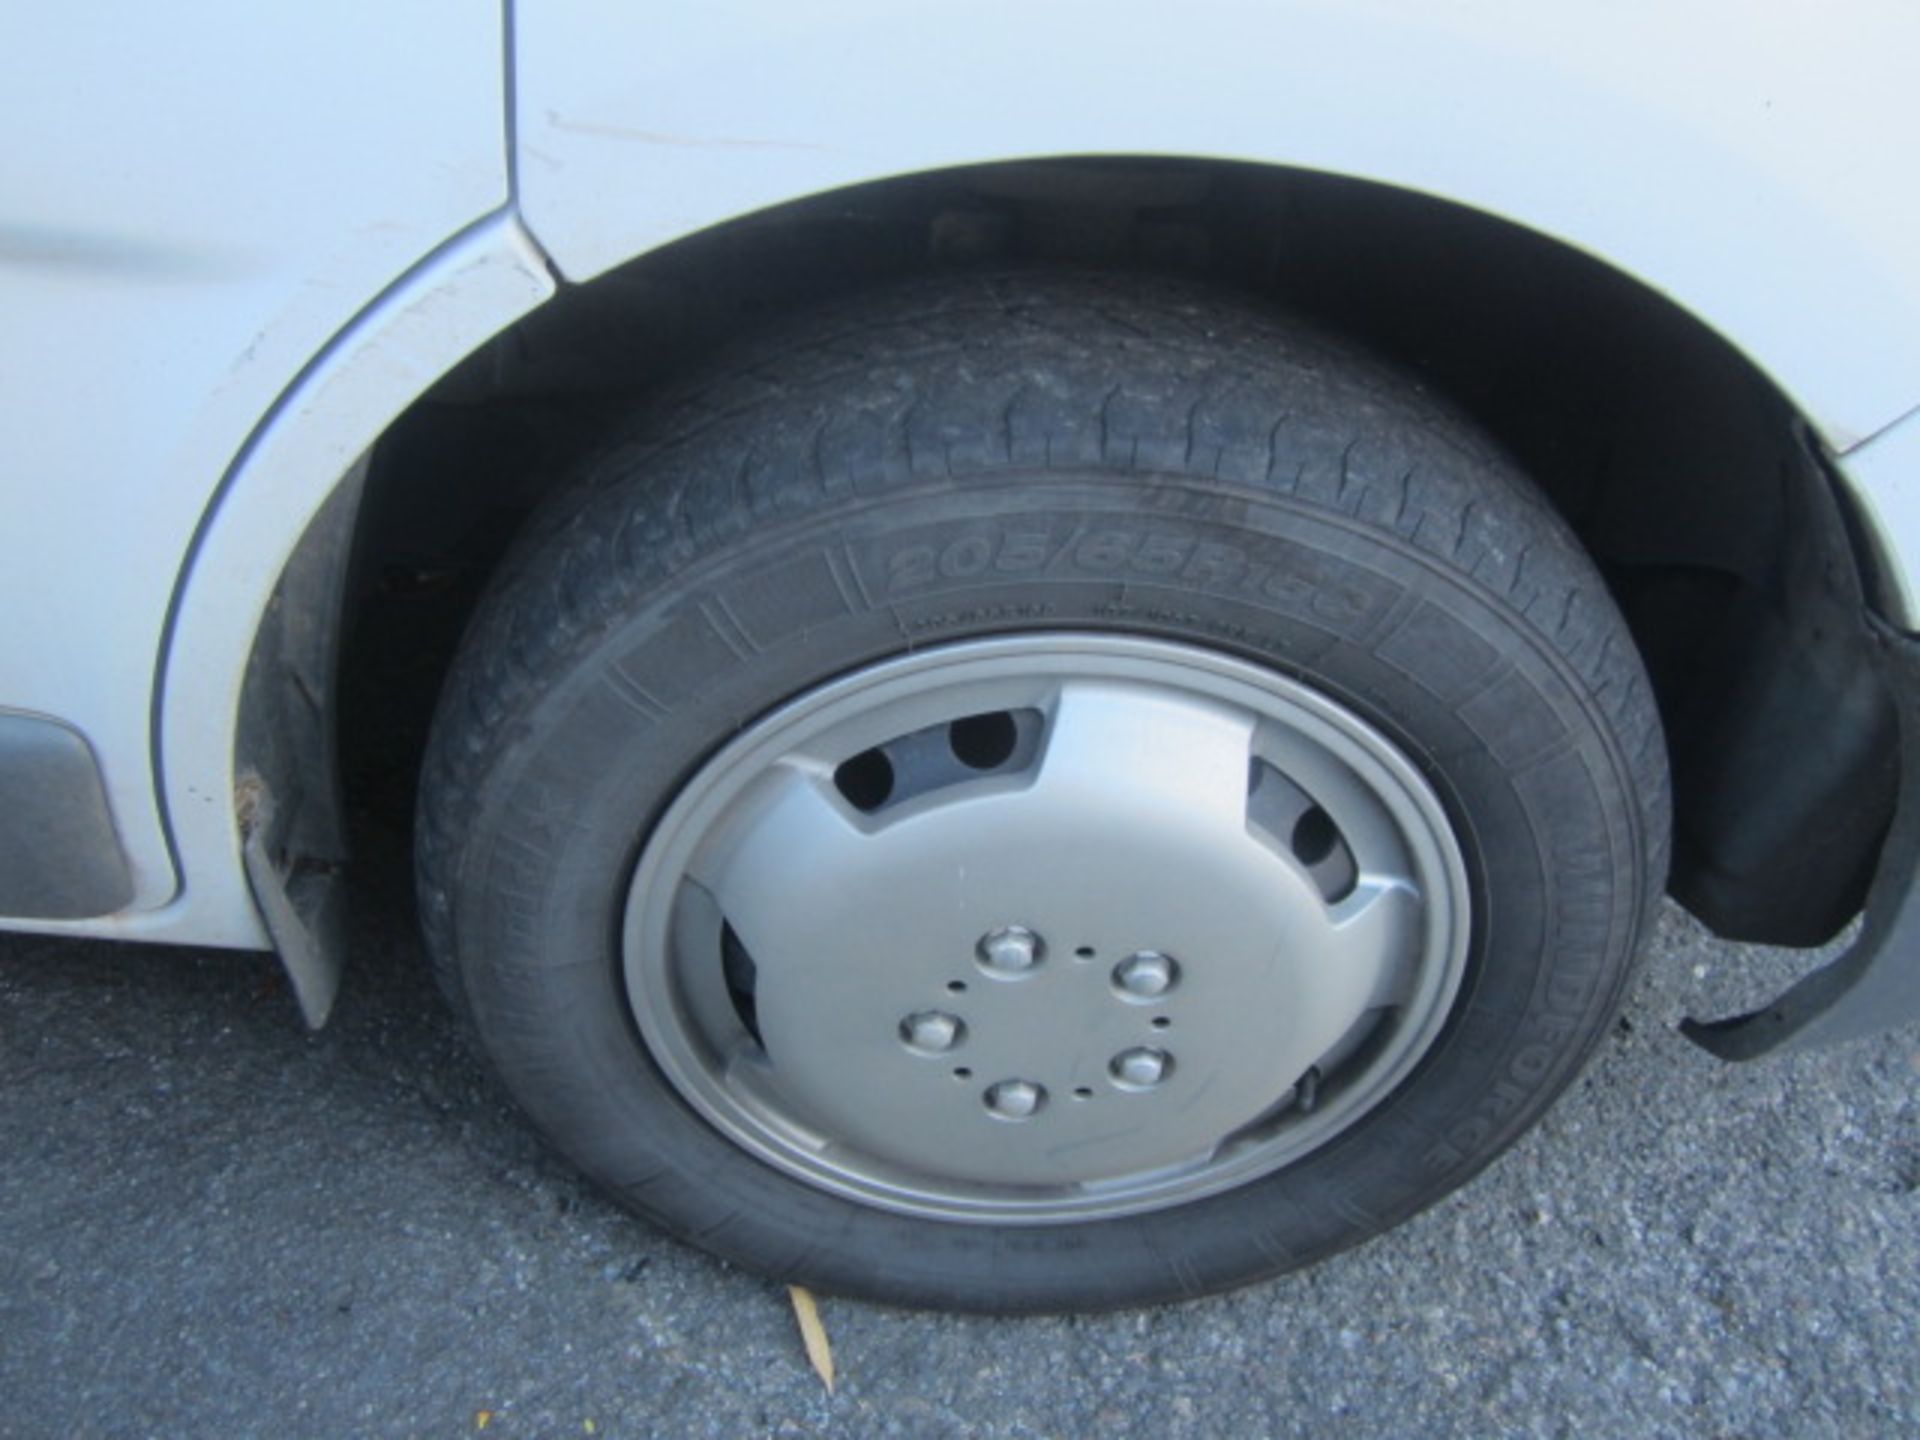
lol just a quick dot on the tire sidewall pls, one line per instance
(1485, 707)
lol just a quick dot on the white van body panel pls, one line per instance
(1752, 162)
(195, 198)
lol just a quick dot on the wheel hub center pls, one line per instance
(1113, 959)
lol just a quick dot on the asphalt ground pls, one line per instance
(213, 1224)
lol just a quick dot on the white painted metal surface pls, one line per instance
(1752, 161)
(194, 199)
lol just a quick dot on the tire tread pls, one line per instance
(846, 402)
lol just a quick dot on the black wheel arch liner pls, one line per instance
(1864, 710)
(1874, 984)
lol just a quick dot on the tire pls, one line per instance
(1170, 507)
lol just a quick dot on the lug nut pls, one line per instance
(1015, 1099)
(932, 1032)
(1141, 1068)
(1146, 976)
(1010, 950)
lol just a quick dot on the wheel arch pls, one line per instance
(1722, 161)
(255, 612)
(1697, 470)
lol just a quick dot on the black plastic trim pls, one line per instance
(1875, 984)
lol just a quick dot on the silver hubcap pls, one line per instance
(1046, 928)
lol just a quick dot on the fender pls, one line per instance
(203, 197)
(1750, 165)
(452, 301)
(469, 289)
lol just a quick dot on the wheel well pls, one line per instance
(1692, 481)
